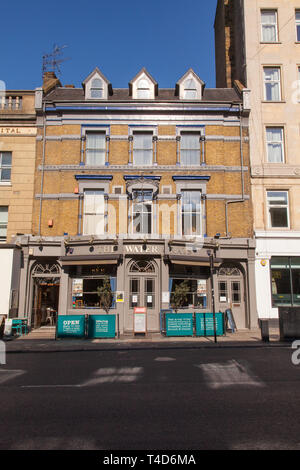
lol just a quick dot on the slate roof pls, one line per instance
(164, 94)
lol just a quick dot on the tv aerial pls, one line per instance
(52, 61)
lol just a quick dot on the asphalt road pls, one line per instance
(230, 398)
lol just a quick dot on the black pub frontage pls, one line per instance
(61, 275)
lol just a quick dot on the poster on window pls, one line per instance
(201, 287)
(77, 287)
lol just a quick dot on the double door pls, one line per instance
(231, 295)
(143, 292)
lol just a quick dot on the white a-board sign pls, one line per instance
(140, 320)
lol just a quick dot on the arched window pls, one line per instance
(142, 266)
(190, 90)
(96, 88)
(143, 89)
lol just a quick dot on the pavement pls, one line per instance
(47, 343)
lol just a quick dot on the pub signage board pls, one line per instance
(102, 326)
(205, 324)
(70, 326)
(179, 324)
(140, 320)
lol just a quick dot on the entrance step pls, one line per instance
(44, 332)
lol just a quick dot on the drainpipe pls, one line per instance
(234, 201)
(43, 165)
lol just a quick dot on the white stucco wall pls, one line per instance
(270, 244)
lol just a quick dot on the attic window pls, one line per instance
(96, 88)
(143, 89)
(190, 90)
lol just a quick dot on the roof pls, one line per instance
(164, 94)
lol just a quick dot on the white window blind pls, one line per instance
(95, 148)
(94, 212)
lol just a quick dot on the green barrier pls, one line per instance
(179, 324)
(70, 326)
(102, 326)
(205, 324)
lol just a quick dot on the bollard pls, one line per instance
(264, 327)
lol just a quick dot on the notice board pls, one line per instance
(140, 320)
(102, 326)
(179, 324)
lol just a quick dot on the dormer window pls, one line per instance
(96, 88)
(143, 89)
(190, 86)
(190, 89)
(143, 86)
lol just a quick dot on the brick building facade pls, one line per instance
(140, 186)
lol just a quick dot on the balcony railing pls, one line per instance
(13, 103)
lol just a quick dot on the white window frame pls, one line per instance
(264, 25)
(278, 206)
(199, 212)
(187, 89)
(100, 150)
(297, 24)
(3, 225)
(141, 89)
(272, 142)
(100, 211)
(148, 202)
(97, 89)
(5, 167)
(142, 131)
(197, 133)
(267, 81)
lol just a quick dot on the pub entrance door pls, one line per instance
(46, 281)
(143, 291)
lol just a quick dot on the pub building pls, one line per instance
(141, 187)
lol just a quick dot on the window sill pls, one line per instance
(272, 42)
(5, 183)
(273, 102)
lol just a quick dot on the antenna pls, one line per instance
(52, 61)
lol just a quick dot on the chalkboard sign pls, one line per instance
(230, 319)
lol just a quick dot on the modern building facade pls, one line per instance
(17, 170)
(258, 43)
(140, 186)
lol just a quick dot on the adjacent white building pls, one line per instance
(258, 43)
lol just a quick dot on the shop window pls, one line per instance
(191, 212)
(197, 295)
(278, 209)
(95, 148)
(85, 294)
(190, 148)
(285, 278)
(5, 166)
(269, 29)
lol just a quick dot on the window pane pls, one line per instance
(6, 158)
(5, 174)
(191, 212)
(277, 198)
(275, 144)
(95, 148)
(298, 25)
(272, 84)
(269, 26)
(142, 148)
(279, 217)
(190, 149)
(281, 282)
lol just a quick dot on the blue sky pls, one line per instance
(119, 36)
